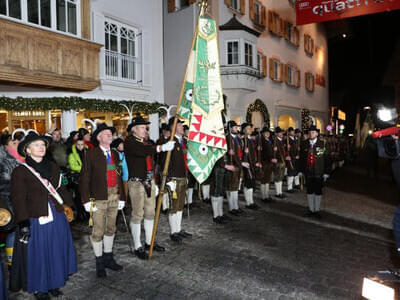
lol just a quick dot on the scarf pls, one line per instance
(43, 167)
(14, 153)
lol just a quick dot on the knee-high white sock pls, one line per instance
(317, 202)
(230, 202)
(179, 221)
(189, 195)
(248, 196)
(148, 230)
(311, 204)
(108, 243)
(135, 229)
(262, 190)
(220, 206)
(290, 182)
(165, 202)
(235, 199)
(97, 248)
(276, 188)
(266, 190)
(172, 222)
(214, 204)
(296, 180)
(206, 191)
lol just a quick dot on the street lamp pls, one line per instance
(385, 114)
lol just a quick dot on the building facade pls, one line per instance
(92, 50)
(272, 71)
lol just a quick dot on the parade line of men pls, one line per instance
(105, 171)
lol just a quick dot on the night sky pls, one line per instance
(358, 62)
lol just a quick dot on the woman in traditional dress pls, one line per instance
(36, 195)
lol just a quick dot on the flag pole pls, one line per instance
(203, 6)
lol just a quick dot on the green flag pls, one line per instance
(202, 102)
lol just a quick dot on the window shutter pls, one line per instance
(251, 9)
(146, 58)
(283, 73)
(312, 46)
(270, 21)
(313, 83)
(280, 29)
(171, 6)
(306, 80)
(285, 29)
(305, 42)
(297, 33)
(242, 7)
(271, 68)
(85, 19)
(264, 65)
(263, 16)
(227, 3)
(298, 84)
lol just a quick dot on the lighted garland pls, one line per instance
(258, 105)
(306, 120)
(77, 103)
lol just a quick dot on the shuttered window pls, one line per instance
(292, 75)
(275, 69)
(309, 81)
(308, 44)
(275, 23)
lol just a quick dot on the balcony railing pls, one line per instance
(241, 70)
(120, 66)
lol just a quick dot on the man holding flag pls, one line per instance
(200, 102)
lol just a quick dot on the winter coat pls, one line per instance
(7, 165)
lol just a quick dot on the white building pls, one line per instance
(94, 49)
(263, 57)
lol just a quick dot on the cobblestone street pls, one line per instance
(273, 253)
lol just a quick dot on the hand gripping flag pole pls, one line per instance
(203, 6)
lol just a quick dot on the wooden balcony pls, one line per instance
(31, 56)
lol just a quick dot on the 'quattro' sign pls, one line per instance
(314, 11)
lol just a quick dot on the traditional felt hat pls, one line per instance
(100, 128)
(244, 125)
(297, 130)
(115, 143)
(290, 129)
(171, 121)
(232, 123)
(313, 128)
(30, 138)
(165, 126)
(278, 129)
(136, 121)
(265, 129)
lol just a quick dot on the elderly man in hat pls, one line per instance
(313, 159)
(249, 165)
(279, 162)
(233, 158)
(101, 192)
(142, 188)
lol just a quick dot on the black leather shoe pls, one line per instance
(219, 220)
(240, 211)
(225, 217)
(100, 267)
(156, 248)
(56, 292)
(252, 206)
(184, 234)
(308, 214)
(164, 211)
(141, 254)
(42, 296)
(317, 215)
(234, 212)
(207, 200)
(110, 263)
(281, 196)
(290, 191)
(176, 238)
(297, 187)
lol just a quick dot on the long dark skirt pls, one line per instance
(51, 254)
